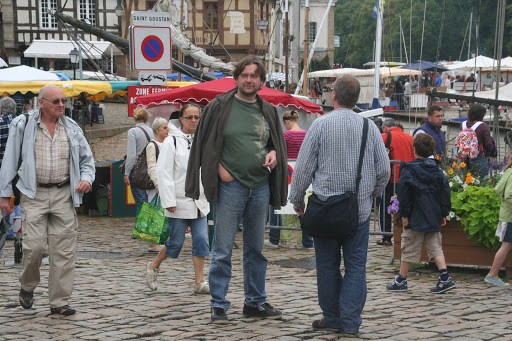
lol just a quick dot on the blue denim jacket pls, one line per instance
(81, 161)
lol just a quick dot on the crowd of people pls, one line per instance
(234, 154)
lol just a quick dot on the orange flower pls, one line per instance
(462, 164)
(469, 178)
(438, 157)
(454, 164)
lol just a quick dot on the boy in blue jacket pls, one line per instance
(424, 197)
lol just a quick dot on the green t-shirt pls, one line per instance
(246, 137)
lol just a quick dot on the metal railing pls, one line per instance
(378, 226)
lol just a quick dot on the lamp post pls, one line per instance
(74, 55)
(119, 13)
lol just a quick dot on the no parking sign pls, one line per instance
(150, 48)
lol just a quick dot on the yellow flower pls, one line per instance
(469, 178)
(450, 171)
(454, 164)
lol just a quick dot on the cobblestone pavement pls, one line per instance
(113, 302)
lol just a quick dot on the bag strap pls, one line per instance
(23, 139)
(157, 150)
(145, 133)
(156, 200)
(388, 141)
(361, 153)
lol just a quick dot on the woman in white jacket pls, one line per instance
(171, 170)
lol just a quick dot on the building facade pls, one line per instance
(226, 29)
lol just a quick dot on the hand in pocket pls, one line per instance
(224, 174)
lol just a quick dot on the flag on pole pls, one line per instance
(374, 12)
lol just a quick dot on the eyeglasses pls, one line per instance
(195, 117)
(57, 101)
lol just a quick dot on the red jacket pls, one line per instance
(400, 149)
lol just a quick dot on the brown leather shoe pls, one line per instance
(65, 310)
(26, 299)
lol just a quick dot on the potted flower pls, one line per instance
(469, 235)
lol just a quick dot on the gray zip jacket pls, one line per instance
(81, 161)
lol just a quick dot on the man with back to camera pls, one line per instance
(433, 127)
(240, 154)
(57, 167)
(330, 165)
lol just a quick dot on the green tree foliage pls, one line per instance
(356, 28)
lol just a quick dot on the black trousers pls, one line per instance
(385, 222)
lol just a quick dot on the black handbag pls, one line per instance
(337, 217)
(122, 166)
(140, 176)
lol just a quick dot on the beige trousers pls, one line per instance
(49, 229)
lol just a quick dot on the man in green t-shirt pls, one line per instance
(240, 155)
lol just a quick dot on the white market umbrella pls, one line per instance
(506, 62)
(3, 63)
(26, 74)
(474, 64)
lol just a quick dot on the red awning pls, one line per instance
(203, 93)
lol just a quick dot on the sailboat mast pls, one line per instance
(306, 39)
(378, 47)
(470, 26)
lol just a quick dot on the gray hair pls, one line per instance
(347, 90)
(7, 106)
(390, 123)
(158, 123)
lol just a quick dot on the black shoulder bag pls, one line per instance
(140, 176)
(338, 216)
(122, 166)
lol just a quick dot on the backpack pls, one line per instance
(467, 142)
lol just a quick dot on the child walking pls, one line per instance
(424, 197)
(504, 190)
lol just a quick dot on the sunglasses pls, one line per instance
(57, 101)
(195, 117)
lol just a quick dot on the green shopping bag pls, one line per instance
(152, 225)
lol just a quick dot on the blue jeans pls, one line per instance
(199, 231)
(274, 220)
(342, 298)
(139, 195)
(235, 204)
(479, 167)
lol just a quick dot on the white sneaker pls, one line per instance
(268, 243)
(202, 288)
(151, 277)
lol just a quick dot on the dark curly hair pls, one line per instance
(424, 145)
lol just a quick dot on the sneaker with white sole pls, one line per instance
(397, 286)
(499, 282)
(443, 286)
(202, 288)
(151, 277)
